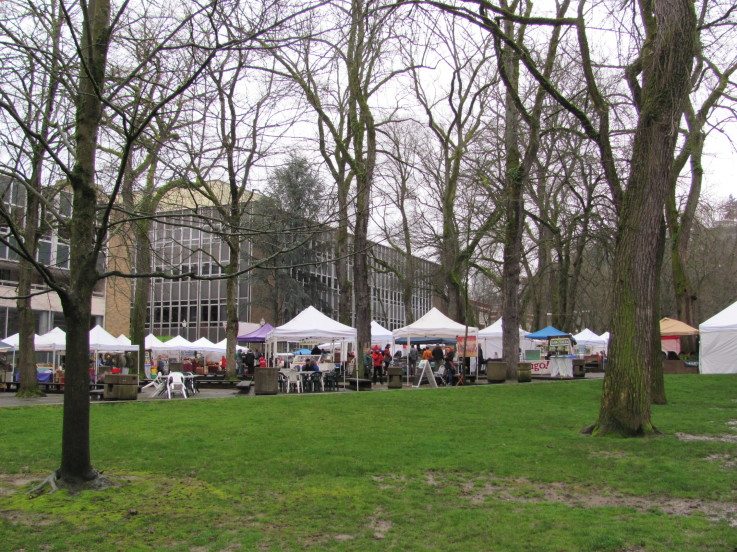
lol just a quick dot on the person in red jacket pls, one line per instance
(378, 357)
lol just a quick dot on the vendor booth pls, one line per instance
(313, 327)
(558, 347)
(435, 325)
(718, 345)
(671, 331)
(491, 340)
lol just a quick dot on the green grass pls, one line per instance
(493, 468)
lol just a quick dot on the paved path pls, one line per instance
(8, 399)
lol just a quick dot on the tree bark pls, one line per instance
(667, 60)
(76, 301)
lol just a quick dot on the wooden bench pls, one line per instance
(359, 384)
(96, 394)
(244, 386)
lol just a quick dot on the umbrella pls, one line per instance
(302, 352)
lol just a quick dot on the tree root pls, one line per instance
(50, 481)
(54, 482)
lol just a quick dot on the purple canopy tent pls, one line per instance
(256, 336)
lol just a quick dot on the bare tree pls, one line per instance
(34, 97)
(94, 29)
(354, 56)
(663, 63)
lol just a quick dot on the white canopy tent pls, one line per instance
(123, 339)
(718, 347)
(435, 324)
(206, 346)
(103, 342)
(14, 340)
(491, 340)
(55, 340)
(175, 344)
(151, 342)
(587, 338)
(223, 345)
(379, 334)
(311, 324)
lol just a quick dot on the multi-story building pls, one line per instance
(53, 252)
(194, 308)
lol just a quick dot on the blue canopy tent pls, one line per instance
(547, 333)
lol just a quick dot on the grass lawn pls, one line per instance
(487, 468)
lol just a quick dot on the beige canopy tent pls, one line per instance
(671, 331)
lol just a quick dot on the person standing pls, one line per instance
(368, 362)
(378, 358)
(250, 360)
(412, 360)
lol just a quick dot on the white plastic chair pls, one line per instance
(294, 378)
(176, 383)
(158, 384)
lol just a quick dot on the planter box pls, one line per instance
(524, 372)
(496, 371)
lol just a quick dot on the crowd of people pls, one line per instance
(376, 361)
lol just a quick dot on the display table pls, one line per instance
(561, 366)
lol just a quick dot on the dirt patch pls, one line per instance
(380, 525)
(523, 491)
(717, 438)
(726, 460)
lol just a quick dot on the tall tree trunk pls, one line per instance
(28, 379)
(76, 465)
(231, 304)
(142, 265)
(667, 60)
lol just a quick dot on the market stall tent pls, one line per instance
(587, 338)
(312, 325)
(671, 331)
(491, 340)
(379, 334)
(435, 324)
(546, 332)
(718, 346)
(258, 335)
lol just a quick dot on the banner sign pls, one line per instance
(540, 368)
(468, 348)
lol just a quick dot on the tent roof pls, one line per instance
(122, 338)
(435, 324)
(496, 330)
(151, 341)
(724, 320)
(670, 327)
(177, 343)
(587, 337)
(101, 340)
(205, 345)
(379, 332)
(258, 335)
(312, 324)
(223, 345)
(55, 340)
(14, 340)
(546, 332)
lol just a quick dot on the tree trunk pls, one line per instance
(28, 379)
(76, 302)
(231, 306)
(142, 289)
(667, 60)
